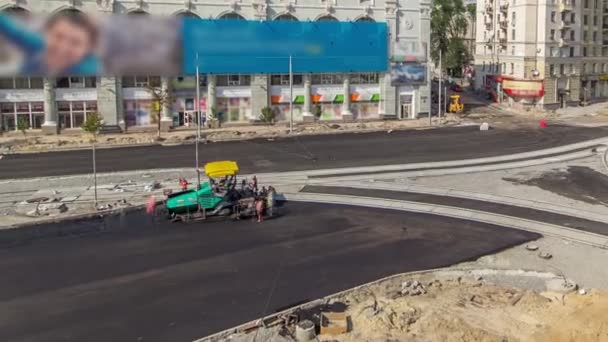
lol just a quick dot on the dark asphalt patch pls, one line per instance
(576, 182)
(307, 152)
(152, 280)
(503, 209)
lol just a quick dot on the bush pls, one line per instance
(23, 125)
(92, 124)
(267, 116)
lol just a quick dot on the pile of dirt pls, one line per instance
(467, 309)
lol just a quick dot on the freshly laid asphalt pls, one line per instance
(138, 278)
(307, 152)
(498, 208)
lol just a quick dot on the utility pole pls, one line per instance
(95, 173)
(439, 88)
(198, 122)
(290, 96)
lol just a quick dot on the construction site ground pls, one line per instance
(513, 295)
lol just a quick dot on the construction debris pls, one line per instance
(305, 331)
(532, 247)
(152, 186)
(412, 288)
(545, 255)
(333, 323)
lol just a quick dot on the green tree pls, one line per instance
(161, 98)
(92, 124)
(448, 28)
(23, 125)
(267, 116)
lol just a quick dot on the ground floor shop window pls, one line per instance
(283, 113)
(184, 111)
(32, 113)
(234, 109)
(139, 112)
(365, 110)
(72, 114)
(329, 110)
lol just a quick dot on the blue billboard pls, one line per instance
(77, 44)
(249, 47)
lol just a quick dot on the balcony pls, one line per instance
(565, 6)
(504, 6)
(564, 25)
(563, 42)
(503, 25)
(502, 41)
(489, 8)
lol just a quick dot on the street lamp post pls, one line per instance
(290, 96)
(198, 122)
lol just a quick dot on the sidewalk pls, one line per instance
(16, 142)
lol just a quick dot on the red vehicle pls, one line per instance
(456, 88)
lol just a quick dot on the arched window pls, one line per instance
(286, 17)
(231, 16)
(365, 19)
(187, 14)
(16, 11)
(327, 18)
(138, 12)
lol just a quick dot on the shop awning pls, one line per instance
(317, 98)
(275, 99)
(299, 99)
(354, 97)
(375, 98)
(339, 98)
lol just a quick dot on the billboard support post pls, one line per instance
(290, 96)
(439, 98)
(198, 122)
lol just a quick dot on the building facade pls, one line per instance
(546, 54)
(58, 104)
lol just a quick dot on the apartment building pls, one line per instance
(549, 54)
(61, 104)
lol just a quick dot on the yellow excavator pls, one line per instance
(455, 105)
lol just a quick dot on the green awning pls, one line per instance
(375, 98)
(339, 98)
(299, 99)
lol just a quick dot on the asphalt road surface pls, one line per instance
(498, 208)
(141, 279)
(307, 152)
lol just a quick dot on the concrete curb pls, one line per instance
(524, 203)
(466, 162)
(592, 239)
(458, 170)
(444, 271)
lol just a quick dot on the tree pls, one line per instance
(267, 116)
(92, 125)
(448, 28)
(162, 97)
(23, 125)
